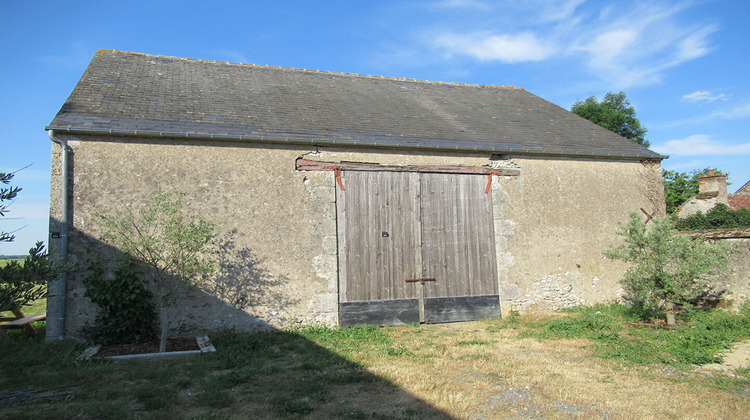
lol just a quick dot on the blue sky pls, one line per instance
(683, 64)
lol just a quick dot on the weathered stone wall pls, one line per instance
(564, 213)
(736, 279)
(698, 204)
(278, 225)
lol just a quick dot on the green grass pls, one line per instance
(6, 261)
(36, 307)
(328, 373)
(698, 340)
(289, 373)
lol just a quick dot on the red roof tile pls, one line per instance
(738, 201)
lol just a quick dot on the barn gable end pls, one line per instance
(332, 190)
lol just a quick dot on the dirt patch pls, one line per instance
(173, 344)
(734, 359)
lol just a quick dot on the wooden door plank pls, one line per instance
(380, 235)
(395, 226)
(461, 308)
(342, 229)
(379, 312)
(458, 237)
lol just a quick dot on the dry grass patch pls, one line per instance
(477, 369)
(510, 368)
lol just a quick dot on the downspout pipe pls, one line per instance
(62, 289)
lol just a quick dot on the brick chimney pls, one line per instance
(713, 186)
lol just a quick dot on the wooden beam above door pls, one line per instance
(313, 165)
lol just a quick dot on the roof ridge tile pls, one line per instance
(367, 76)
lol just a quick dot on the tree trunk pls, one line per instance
(164, 324)
(669, 310)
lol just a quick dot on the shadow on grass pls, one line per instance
(266, 374)
(272, 374)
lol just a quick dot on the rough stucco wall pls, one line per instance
(53, 288)
(564, 213)
(278, 225)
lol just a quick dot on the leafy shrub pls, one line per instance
(667, 269)
(21, 283)
(707, 334)
(719, 217)
(177, 249)
(127, 311)
(699, 340)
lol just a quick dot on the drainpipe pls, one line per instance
(62, 289)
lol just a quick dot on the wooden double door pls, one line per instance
(415, 247)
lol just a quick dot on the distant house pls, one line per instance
(712, 190)
(745, 190)
(346, 199)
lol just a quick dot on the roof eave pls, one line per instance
(481, 147)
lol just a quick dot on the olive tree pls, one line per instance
(666, 268)
(7, 193)
(177, 250)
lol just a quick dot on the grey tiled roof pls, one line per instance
(138, 94)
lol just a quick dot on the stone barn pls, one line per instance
(345, 199)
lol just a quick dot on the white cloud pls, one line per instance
(703, 95)
(736, 113)
(557, 10)
(607, 47)
(624, 44)
(544, 11)
(694, 45)
(700, 144)
(489, 47)
(635, 47)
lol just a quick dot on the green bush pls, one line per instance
(666, 269)
(698, 339)
(708, 333)
(127, 311)
(25, 281)
(719, 217)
